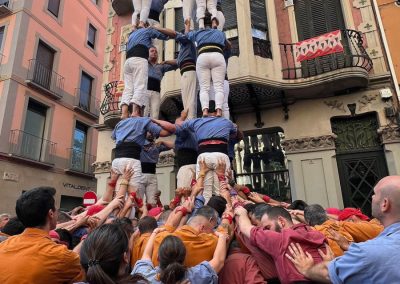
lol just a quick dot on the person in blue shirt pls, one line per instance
(130, 137)
(156, 72)
(148, 160)
(136, 68)
(212, 134)
(210, 65)
(373, 261)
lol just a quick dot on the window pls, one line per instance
(32, 137)
(91, 39)
(78, 153)
(1, 35)
(85, 93)
(259, 29)
(95, 2)
(229, 10)
(44, 65)
(260, 163)
(54, 7)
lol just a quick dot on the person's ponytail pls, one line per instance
(173, 273)
(96, 275)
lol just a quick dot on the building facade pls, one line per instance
(317, 125)
(50, 86)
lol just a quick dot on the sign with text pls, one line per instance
(89, 198)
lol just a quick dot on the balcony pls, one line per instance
(110, 106)
(5, 8)
(348, 69)
(45, 79)
(31, 148)
(86, 104)
(122, 7)
(262, 47)
(80, 163)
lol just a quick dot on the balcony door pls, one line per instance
(44, 65)
(315, 18)
(32, 137)
(86, 92)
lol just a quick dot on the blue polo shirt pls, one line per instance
(185, 139)
(143, 36)
(207, 36)
(151, 152)
(134, 129)
(373, 261)
(210, 127)
(157, 71)
(187, 51)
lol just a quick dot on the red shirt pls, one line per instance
(276, 244)
(240, 268)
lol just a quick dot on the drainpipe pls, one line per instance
(386, 47)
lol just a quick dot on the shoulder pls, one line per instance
(144, 267)
(202, 270)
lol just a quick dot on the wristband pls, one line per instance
(193, 183)
(229, 218)
(221, 178)
(176, 200)
(201, 175)
(123, 183)
(112, 183)
(183, 210)
(246, 190)
(266, 198)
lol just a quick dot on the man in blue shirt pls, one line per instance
(136, 68)
(155, 75)
(210, 65)
(148, 160)
(130, 137)
(373, 261)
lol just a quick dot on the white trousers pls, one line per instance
(225, 107)
(211, 66)
(188, 12)
(188, 90)
(141, 7)
(185, 175)
(135, 80)
(211, 6)
(153, 104)
(149, 187)
(221, 20)
(211, 182)
(119, 165)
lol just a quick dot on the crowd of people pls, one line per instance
(214, 230)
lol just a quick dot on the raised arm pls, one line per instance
(148, 250)
(217, 262)
(243, 221)
(167, 32)
(165, 125)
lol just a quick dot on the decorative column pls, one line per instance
(166, 176)
(390, 137)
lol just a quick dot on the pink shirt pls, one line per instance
(276, 245)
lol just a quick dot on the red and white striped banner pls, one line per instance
(318, 46)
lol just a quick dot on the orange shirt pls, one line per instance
(32, 257)
(199, 246)
(362, 231)
(138, 248)
(336, 226)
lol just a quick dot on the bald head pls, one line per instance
(386, 200)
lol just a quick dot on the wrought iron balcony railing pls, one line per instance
(45, 78)
(86, 103)
(31, 147)
(262, 47)
(80, 161)
(353, 55)
(110, 105)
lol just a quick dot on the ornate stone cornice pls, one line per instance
(102, 167)
(166, 159)
(389, 135)
(309, 144)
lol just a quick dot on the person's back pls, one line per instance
(32, 257)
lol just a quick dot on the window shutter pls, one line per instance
(229, 10)
(259, 15)
(179, 23)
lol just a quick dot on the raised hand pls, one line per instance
(221, 168)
